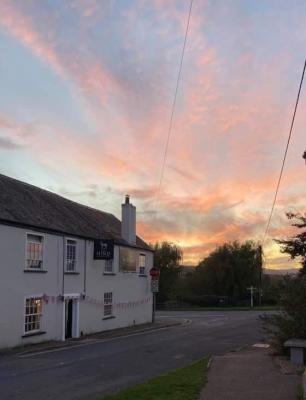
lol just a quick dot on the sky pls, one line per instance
(86, 93)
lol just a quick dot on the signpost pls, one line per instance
(154, 273)
(103, 249)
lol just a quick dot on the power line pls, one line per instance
(285, 155)
(173, 104)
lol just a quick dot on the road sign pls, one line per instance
(154, 285)
(154, 272)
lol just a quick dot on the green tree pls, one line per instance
(296, 246)
(167, 258)
(290, 322)
(229, 270)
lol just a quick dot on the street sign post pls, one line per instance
(154, 285)
(154, 273)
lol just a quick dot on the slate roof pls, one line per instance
(22, 204)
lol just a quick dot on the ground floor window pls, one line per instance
(108, 304)
(33, 314)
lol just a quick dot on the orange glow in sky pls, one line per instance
(85, 102)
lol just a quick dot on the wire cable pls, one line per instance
(173, 105)
(285, 155)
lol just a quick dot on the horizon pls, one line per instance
(87, 115)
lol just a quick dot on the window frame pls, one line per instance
(107, 303)
(34, 331)
(43, 236)
(133, 250)
(144, 256)
(75, 270)
(108, 272)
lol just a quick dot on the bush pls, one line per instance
(205, 300)
(290, 322)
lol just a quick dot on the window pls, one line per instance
(128, 260)
(108, 267)
(33, 314)
(71, 246)
(108, 304)
(142, 264)
(34, 251)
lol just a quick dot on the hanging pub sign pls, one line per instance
(103, 249)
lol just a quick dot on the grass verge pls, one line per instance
(181, 384)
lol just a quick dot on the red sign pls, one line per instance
(154, 272)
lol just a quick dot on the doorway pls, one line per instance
(68, 318)
(71, 318)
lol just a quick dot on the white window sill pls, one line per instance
(36, 333)
(108, 317)
(35, 270)
(72, 273)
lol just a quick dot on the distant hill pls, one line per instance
(290, 271)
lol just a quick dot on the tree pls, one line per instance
(296, 246)
(229, 270)
(167, 258)
(290, 322)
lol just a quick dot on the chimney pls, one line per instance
(128, 223)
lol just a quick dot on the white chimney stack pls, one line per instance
(128, 223)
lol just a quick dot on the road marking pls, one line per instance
(179, 356)
(261, 345)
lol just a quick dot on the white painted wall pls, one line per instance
(126, 287)
(15, 285)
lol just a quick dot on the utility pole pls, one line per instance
(252, 288)
(260, 274)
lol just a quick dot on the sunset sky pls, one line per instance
(86, 93)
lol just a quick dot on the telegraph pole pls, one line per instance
(251, 289)
(260, 273)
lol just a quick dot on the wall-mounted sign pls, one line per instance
(103, 249)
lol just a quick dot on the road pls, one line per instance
(95, 369)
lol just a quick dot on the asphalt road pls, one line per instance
(100, 368)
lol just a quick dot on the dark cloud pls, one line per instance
(8, 144)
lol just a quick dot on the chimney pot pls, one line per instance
(127, 199)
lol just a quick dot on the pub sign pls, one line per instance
(103, 249)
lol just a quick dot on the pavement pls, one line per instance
(93, 368)
(253, 374)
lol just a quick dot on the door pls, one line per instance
(68, 318)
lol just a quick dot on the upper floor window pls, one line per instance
(108, 267)
(35, 244)
(33, 314)
(142, 264)
(108, 304)
(128, 260)
(71, 246)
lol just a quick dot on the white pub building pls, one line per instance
(67, 270)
